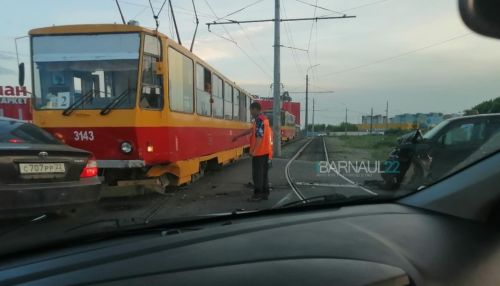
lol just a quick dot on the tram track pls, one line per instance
(294, 186)
(288, 177)
(352, 183)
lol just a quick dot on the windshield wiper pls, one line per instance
(77, 103)
(332, 199)
(117, 100)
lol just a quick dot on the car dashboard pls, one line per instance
(379, 244)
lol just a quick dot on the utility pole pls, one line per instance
(387, 115)
(313, 118)
(307, 96)
(277, 80)
(345, 127)
(371, 122)
(307, 104)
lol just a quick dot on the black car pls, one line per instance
(427, 158)
(39, 174)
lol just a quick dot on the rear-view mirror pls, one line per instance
(21, 74)
(481, 16)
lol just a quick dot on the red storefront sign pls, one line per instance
(290, 106)
(15, 102)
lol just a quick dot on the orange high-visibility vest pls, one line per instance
(266, 145)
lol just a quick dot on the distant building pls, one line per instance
(421, 120)
(404, 121)
(377, 119)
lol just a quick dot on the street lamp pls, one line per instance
(307, 98)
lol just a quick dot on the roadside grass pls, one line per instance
(379, 146)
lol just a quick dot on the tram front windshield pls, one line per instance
(92, 70)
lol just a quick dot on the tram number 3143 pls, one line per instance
(83, 135)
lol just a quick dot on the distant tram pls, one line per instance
(147, 108)
(288, 127)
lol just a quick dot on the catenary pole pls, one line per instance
(277, 80)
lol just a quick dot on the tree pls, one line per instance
(488, 106)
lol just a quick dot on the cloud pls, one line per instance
(6, 71)
(218, 46)
(6, 57)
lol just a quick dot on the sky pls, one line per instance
(417, 55)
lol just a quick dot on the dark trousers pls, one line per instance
(259, 175)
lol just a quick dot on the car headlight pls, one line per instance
(126, 147)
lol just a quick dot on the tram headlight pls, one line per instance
(126, 147)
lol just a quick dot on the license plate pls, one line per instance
(41, 168)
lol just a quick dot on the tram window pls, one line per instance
(203, 90)
(217, 100)
(243, 109)
(152, 46)
(181, 93)
(96, 59)
(290, 120)
(152, 96)
(228, 101)
(77, 84)
(236, 104)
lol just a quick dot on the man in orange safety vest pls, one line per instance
(261, 150)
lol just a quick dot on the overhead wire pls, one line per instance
(399, 55)
(181, 9)
(170, 24)
(259, 54)
(309, 42)
(316, 44)
(365, 5)
(140, 12)
(239, 10)
(236, 43)
(355, 7)
(319, 7)
(290, 39)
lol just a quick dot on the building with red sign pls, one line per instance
(15, 102)
(290, 106)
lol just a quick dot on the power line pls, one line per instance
(140, 12)
(183, 10)
(254, 47)
(312, 26)
(365, 5)
(239, 10)
(290, 39)
(398, 55)
(236, 43)
(309, 43)
(319, 7)
(293, 48)
(229, 21)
